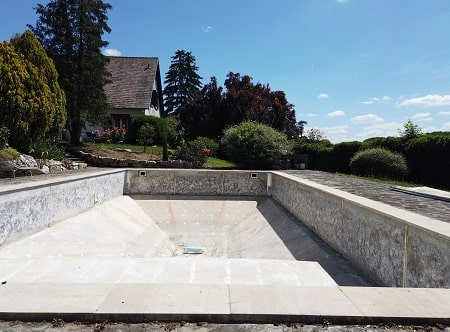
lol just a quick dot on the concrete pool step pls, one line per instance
(137, 302)
(180, 270)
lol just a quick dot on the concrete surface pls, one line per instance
(395, 247)
(195, 182)
(28, 206)
(379, 192)
(121, 261)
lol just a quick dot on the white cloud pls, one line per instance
(374, 100)
(446, 126)
(323, 96)
(379, 130)
(427, 101)
(444, 113)
(367, 118)
(336, 113)
(335, 130)
(207, 29)
(422, 117)
(112, 52)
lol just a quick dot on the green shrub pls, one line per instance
(211, 144)
(9, 154)
(255, 146)
(46, 150)
(379, 162)
(195, 152)
(162, 127)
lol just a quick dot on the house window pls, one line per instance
(121, 120)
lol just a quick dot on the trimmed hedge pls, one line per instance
(328, 157)
(379, 162)
(428, 158)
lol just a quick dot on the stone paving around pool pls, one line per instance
(432, 208)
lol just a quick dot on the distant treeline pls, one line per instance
(427, 156)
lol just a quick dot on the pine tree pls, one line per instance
(71, 32)
(182, 82)
(31, 102)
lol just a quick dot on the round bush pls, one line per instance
(379, 162)
(161, 125)
(255, 146)
(9, 154)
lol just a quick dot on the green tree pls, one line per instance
(71, 32)
(182, 82)
(30, 103)
(28, 45)
(301, 127)
(203, 116)
(246, 101)
(410, 130)
(146, 133)
(315, 135)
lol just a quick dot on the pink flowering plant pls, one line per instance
(111, 135)
(195, 152)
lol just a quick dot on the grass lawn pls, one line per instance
(135, 148)
(382, 180)
(216, 163)
(152, 152)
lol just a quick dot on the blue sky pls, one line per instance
(353, 68)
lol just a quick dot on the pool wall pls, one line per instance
(28, 208)
(195, 182)
(394, 247)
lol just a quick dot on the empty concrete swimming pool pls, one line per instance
(219, 246)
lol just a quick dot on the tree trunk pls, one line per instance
(75, 134)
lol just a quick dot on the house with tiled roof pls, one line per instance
(134, 88)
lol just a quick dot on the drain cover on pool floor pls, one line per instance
(192, 250)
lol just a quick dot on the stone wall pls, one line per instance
(394, 247)
(99, 161)
(31, 206)
(195, 182)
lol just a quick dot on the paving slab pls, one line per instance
(167, 299)
(29, 298)
(290, 301)
(400, 302)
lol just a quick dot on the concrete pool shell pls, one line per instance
(119, 257)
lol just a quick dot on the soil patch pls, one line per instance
(120, 153)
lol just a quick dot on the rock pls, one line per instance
(26, 161)
(45, 169)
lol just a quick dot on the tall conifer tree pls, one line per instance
(71, 31)
(31, 101)
(182, 82)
